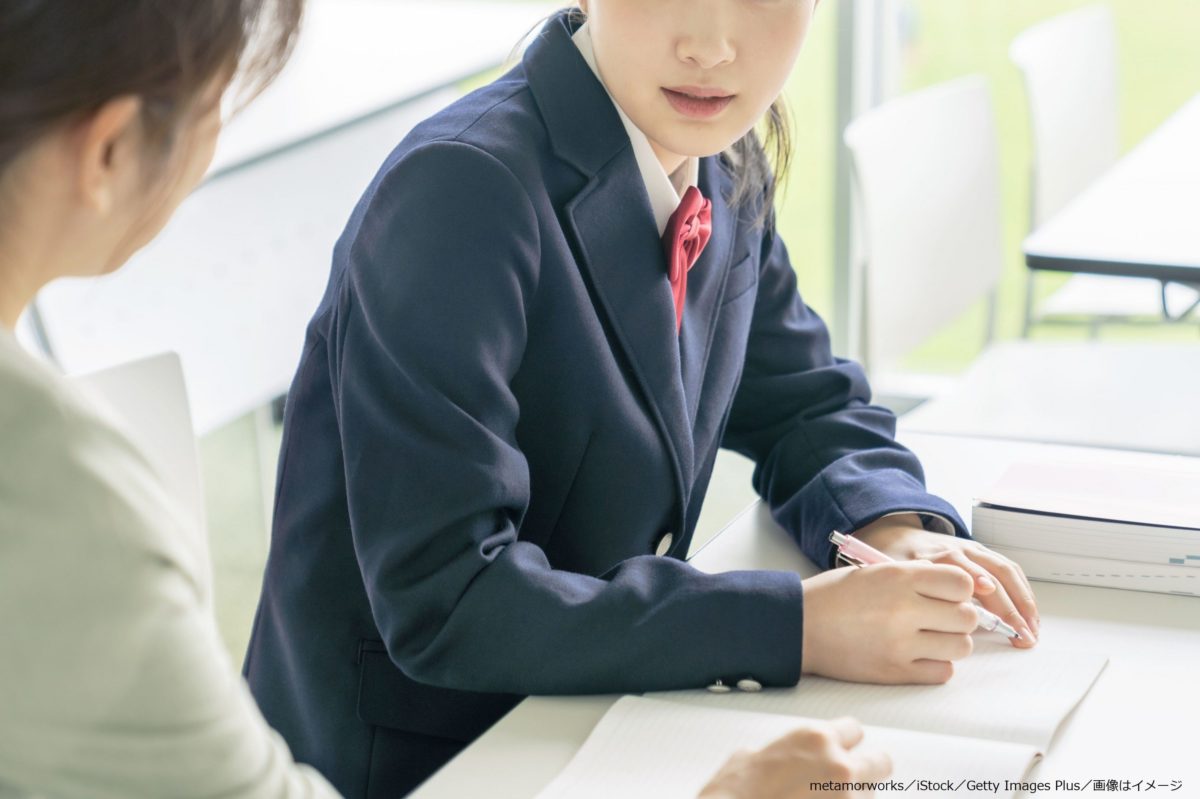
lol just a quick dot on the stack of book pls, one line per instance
(1103, 525)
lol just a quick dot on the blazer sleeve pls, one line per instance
(431, 327)
(825, 457)
(113, 679)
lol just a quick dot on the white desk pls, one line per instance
(1137, 723)
(232, 281)
(1140, 219)
(1116, 395)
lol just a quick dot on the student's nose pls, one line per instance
(705, 38)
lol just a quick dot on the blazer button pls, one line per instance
(664, 544)
(749, 685)
(719, 687)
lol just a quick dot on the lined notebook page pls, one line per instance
(650, 749)
(999, 693)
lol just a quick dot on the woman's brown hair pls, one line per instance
(63, 59)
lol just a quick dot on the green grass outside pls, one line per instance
(1159, 56)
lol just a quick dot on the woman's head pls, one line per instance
(654, 53)
(109, 109)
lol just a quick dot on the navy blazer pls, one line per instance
(494, 427)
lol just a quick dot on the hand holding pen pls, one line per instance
(859, 553)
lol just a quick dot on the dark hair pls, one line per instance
(758, 167)
(62, 59)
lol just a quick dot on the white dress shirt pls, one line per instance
(665, 191)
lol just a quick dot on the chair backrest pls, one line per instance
(926, 166)
(1069, 64)
(151, 403)
(27, 334)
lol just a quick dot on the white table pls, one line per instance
(1115, 395)
(1137, 722)
(1140, 218)
(233, 280)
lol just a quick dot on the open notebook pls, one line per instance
(990, 722)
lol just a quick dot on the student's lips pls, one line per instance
(697, 103)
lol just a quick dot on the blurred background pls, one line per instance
(354, 90)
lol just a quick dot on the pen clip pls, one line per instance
(849, 560)
(843, 556)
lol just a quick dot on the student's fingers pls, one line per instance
(1004, 559)
(1002, 605)
(847, 731)
(1011, 574)
(1014, 602)
(933, 645)
(943, 581)
(941, 616)
(984, 583)
(930, 672)
(1010, 596)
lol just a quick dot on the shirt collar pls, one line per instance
(665, 191)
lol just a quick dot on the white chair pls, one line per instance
(1069, 66)
(150, 401)
(28, 335)
(927, 172)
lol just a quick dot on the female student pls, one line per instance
(113, 682)
(555, 302)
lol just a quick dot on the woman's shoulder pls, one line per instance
(36, 403)
(68, 472)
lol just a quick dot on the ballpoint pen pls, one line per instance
(859, 553)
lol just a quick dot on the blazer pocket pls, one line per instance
(742, 277)
(389, 698)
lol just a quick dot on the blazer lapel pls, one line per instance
(620, 252)
(622, 255)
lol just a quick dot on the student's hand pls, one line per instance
(901, 622)
(820, 752)
(1000, 585)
